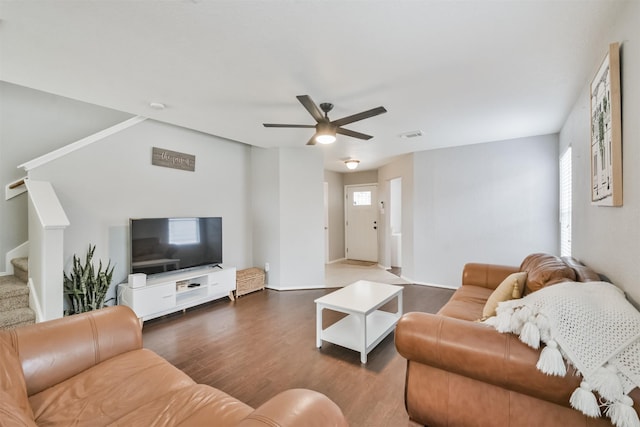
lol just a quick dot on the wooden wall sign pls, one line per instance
(173, 159)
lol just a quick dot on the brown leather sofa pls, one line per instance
(91, 370)
(461, 372)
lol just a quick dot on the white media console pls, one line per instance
(170, 292)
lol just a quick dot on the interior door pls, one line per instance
(361, 225)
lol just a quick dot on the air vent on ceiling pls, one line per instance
(412, 134)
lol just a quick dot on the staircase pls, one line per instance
(14, 297)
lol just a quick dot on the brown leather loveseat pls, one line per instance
(91, 370)
(461, 372)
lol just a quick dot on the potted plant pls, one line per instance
(86, 288)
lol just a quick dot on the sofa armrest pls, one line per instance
(478, 351)
(486, 275)
(53, 351)
(296, 407)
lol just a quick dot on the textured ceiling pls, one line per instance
(462, 72)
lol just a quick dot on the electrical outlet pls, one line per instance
(266, 266)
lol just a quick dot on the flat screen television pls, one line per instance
(160, 245)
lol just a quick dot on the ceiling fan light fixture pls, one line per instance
(325, 138)
(352, 163)
(326, 134)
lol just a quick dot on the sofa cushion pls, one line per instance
(510, 288)
(12, 383)
(583, 273)
(106, 392)
(11, 415)
(466, 303)
(195, 405)
(544, 270)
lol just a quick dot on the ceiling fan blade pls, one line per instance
(360, 116)
(276, 125)
(353, 134)
(312, 141)
(311, 107)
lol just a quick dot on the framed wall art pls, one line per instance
(606, 132)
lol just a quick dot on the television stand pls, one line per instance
(174, 291)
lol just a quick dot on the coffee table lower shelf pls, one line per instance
(347, 332)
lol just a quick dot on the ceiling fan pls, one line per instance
(326, 129)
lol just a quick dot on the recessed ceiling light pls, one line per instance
(411, 134)
(157, 105)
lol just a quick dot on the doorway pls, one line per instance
(326, 222)
(361, 222)
(395, 221)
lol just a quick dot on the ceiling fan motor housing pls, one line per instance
(326, 107)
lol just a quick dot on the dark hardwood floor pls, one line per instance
(264, 343)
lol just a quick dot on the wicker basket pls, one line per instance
(249, 280)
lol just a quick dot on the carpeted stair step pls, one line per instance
(13, 318)
(14, 303)
(21, 268)
(13, 294)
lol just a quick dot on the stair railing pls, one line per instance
(15, 188)
(47, 221)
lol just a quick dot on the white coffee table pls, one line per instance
(365, 326)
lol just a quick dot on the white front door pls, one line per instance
(361, 225)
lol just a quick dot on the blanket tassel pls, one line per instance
(551, 362)
(607, 383)
(622, 414)
(545, 329)
(530, 334)
(585, 401)
(503, 321)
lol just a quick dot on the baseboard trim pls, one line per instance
(433, 285)
(296, 288)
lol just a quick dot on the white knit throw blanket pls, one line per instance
(594, 328)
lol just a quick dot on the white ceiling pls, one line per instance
(462, 72)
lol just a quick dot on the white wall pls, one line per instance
(265, 179)
(288, 216)
(302, 218)
(103, 185)
(33, 123)
(360, 177)
(494, 202)
(608, 238)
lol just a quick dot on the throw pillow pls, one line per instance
(510, 288)
(544, 270)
